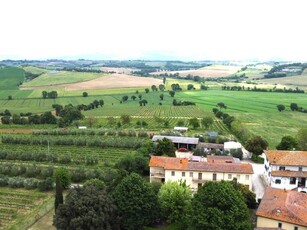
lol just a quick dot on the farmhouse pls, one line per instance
(197, 173)
(179, 142)
(208, 147)
(181, 129)
(286, 169)
(232, 145)
(282, 209)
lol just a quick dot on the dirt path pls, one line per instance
(45, 222)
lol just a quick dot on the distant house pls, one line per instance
(82, 127)
(282, 209)
(208, 147)
(180, 142)
(286, 169)
(181, 129)
(228, 146)
(197, 173)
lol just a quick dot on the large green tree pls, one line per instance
(165, 147)
(174, 199)
(136, 201)
(287, 143)
(256, 145)
(207, 122)
(87, 208)
(218, 206)
(194, 122)
(302, 139)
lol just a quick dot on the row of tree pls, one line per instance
(255, 89)
(134, 204)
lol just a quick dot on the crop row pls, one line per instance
(118, 142)
(91, 132)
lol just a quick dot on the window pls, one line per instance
(278, 181)
(214, 176)
(199, 185)
(173, 173)
(200, 176)
(191, 174)
(292, 180)
(295, 228)
(229, 176)
(238, 177)
(300, 169)
(246, 177)
(279, 225)
(183, 174)
(282, 168)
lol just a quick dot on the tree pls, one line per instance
(256, 145)
(194, 122)
(172, 93)
(45, 94)
(174, 199)
(221, 105)
(154, 88)
(287, 143)
(302, 139)
(6, 119)
(133, 97)
(84, 94)
(161, 96)
(161, 87)
(146, 90)
(63, 175)
(96, 103)
(125, 98)
(7, 113)
(140, 96)
(91, 120)
(190, 87)
(136, 201)
(58, 193)
(164, 80)
(58, 108)
(294, 107)
(16, 119)
(165, 147)
(134, 163)
(48, 118)
(70, 114)
(281, 107)
(217, 205)
(10, 97)
(126, 119)
(87, 208)
(101, 102)
(206, 122)
(249, 196)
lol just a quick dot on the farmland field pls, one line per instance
(10, 77)
(289, 82)
(208, 71)
(256, 110)
(20, 207)
(61, 77)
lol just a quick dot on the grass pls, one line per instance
(256, 110)
(10, 77)
(35, 70)
(289, 82)
(62, 77)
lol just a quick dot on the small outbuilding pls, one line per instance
(180, 142)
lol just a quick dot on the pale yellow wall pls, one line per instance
(269, 223)
(206, 176)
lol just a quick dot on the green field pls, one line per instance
(256, 110)
(35, 70)
(62, 77)
(10, 77)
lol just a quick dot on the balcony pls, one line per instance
(199, 180)
(157, 175)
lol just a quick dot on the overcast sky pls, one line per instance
(154, 29)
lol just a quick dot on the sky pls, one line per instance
(187, 30)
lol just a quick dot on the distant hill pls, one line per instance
(10, 77)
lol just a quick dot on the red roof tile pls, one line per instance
(283, 205)
(294, 158)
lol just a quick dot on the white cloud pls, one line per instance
(189, 29)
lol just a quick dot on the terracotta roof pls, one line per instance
(168, 162)
(220, 167)
(283, 205)
(172, 163)
(295, 158)
(287, 173)
(220, 159)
